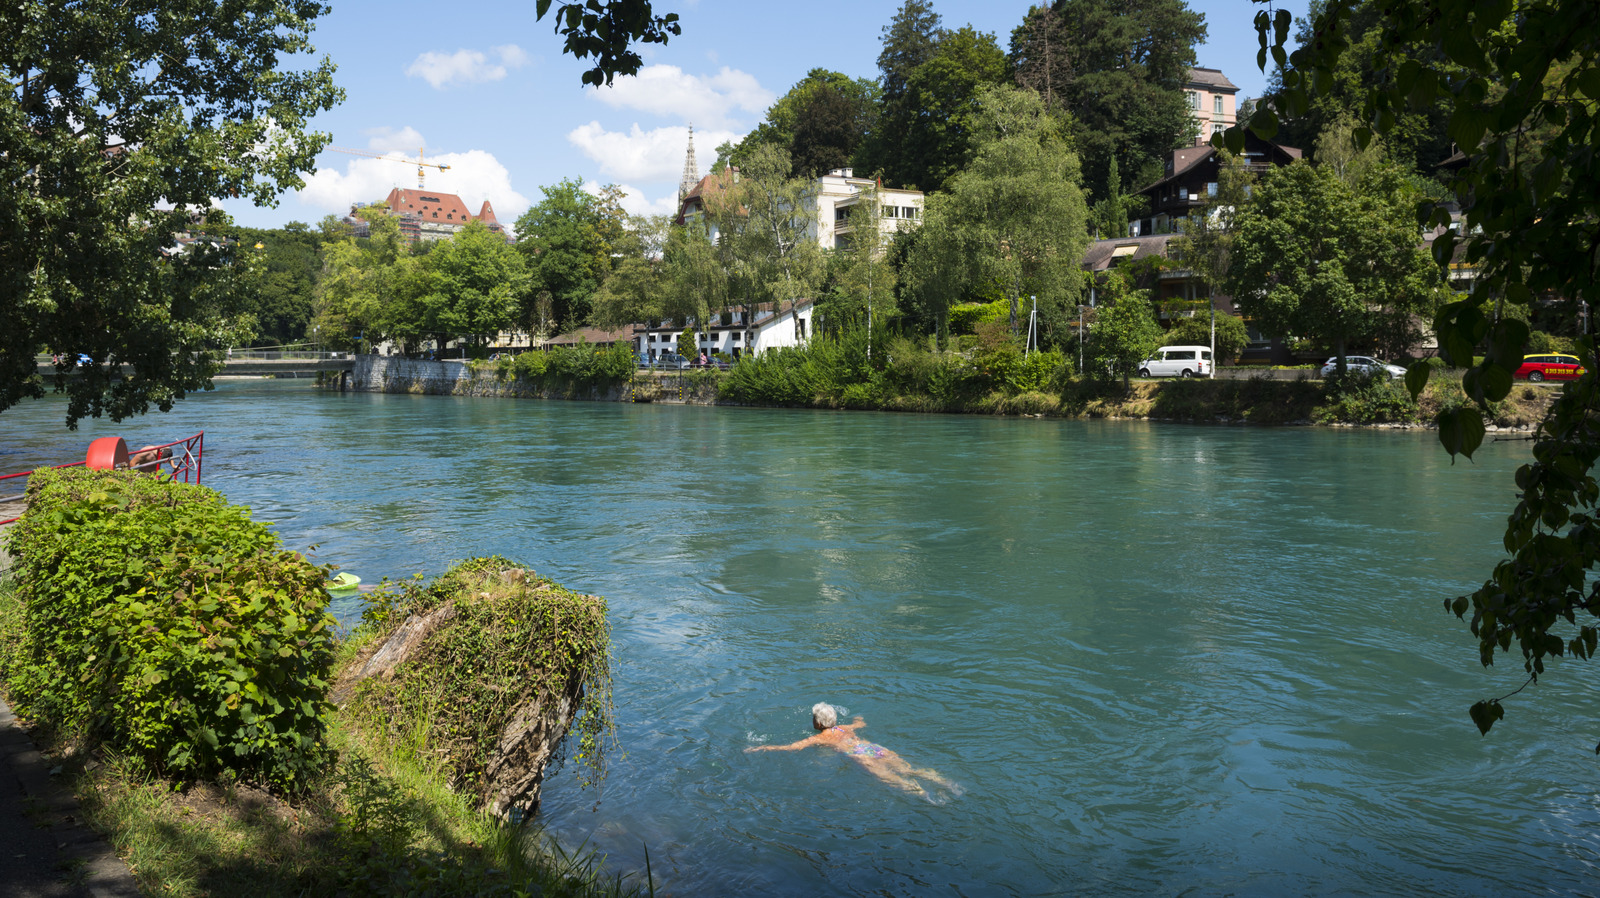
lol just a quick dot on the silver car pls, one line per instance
(1361, 364)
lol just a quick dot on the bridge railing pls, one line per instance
(179, 460)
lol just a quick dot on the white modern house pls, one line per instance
(840, 193)
(731, 333)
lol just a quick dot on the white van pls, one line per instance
(1177, 361)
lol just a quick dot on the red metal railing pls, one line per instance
(179, 459)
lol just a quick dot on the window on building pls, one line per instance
(891, 211)
(909, 212)
(1218, 127)
(802, 328)
(1194, 99)
(1211, 188)
(1216, 104)
(841, 214)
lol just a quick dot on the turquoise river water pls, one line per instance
(1160, 659)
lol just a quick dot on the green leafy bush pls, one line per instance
(1357, 398)
(965, 318)
(166, 623)
(584, 365)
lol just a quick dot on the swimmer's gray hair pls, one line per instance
(823, 715)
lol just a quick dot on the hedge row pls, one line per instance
(165, 623)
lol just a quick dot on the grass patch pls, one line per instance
(376, 825)
(376, 822)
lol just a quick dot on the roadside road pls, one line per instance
(46, 850)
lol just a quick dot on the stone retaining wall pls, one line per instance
(383, 374)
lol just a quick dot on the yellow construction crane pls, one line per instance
(418, 162)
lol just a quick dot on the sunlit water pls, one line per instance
(1161, 659)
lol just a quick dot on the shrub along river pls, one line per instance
(1161, 659)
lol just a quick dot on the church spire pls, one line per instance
(691, 171)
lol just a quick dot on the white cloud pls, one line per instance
(654, 155)
(667, 90)
(475, 176)
(407, 140)
(466, 66)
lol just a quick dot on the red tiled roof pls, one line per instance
(710, 185)
(444, 208)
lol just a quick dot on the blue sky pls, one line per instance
(485, 88)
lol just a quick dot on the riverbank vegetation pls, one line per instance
(991, 373)
(177, 664)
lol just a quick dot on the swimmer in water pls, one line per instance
(879, 761)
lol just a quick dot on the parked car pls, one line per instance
(671, 360)
(1177, 361)
(1361, 364)
(1550, 366)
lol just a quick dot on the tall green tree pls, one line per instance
(909, 41)
(1124, 331)
(924, 133)
(119, 125)
(1115, 209)
(695, 280)
(352, 302)
(1118, 68)
(861, 290)
(635, 288)
(476, 282)
(1531, 227)
(820, 122)
(566, 240)
(1015, 217)
(1317, 258)
(771, 234)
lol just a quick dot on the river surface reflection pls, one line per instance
(1161, 659)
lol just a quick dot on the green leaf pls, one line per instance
(1589, 82)
(1507, 341)
(1485, 713)
(1461, 430)
(1265, 124)
(1417, 377)
(1462, 48)
(1495, 382)
(1234, 138)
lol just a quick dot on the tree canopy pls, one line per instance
(924, 133)
(120, 124)
(1315, 257)
(567, 239)
(1118, 68)
(606, 30)
(1521, 82)
(1014, 218)
(820, 122)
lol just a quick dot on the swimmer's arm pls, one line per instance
(793, 746)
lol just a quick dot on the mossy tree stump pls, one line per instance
(485, 672)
